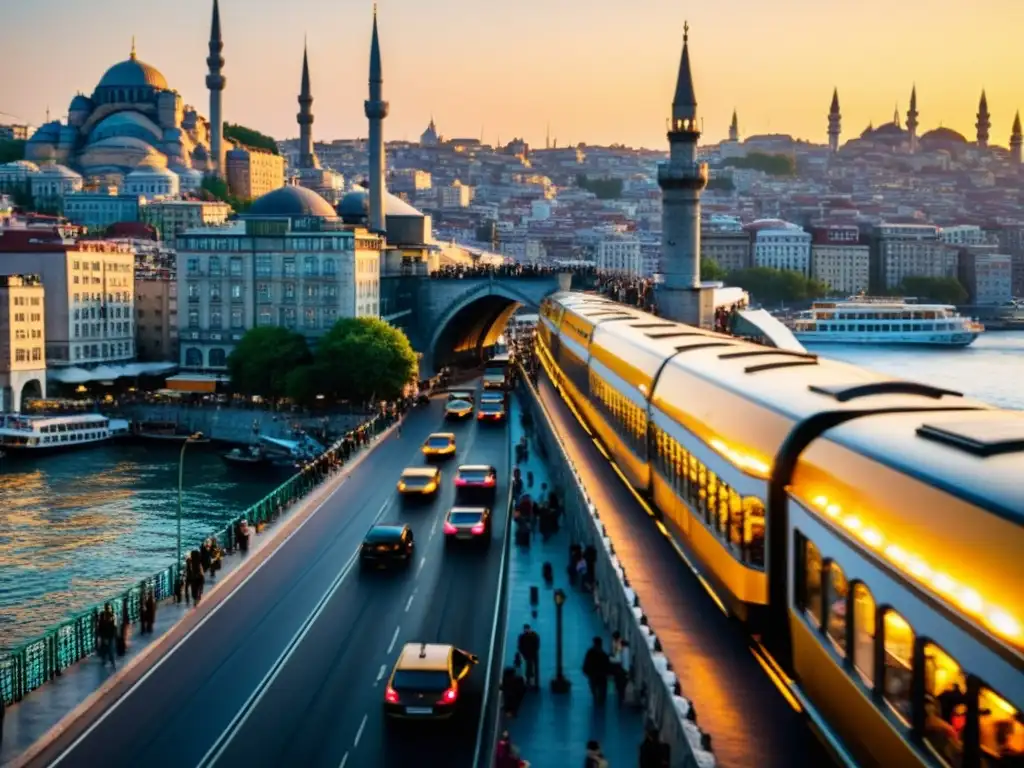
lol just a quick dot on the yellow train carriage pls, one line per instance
(906, 612)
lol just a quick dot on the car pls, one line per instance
(424, 685)
(458, 409)
(470, 524)
(491, 412)
(494, 380)
(492, 396)
(440, 445)
(462, 394)
(387, 544)
(471, 479)
(419, 481)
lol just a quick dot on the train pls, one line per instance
(867, 531)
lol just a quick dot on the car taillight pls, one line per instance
(460, 481)
(391, 695)
(477, 529)
(489, 481)
(449, 696)
(480, 415)
(449, 528)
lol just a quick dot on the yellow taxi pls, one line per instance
(458, 409)
(440, 445)
(424, 684)
(419, 481)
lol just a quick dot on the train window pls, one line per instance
(811, 598)
(836, 603)
(753, 531)
(864, 633)
(1000, 729)
(945, 705)
(898, 638)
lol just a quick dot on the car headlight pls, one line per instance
(430, 487)
(401, 486)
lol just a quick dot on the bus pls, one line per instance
(496, 371)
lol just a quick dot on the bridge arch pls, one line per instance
(473, 321)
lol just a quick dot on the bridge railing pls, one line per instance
(35, 662)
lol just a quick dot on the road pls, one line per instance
(291, 669)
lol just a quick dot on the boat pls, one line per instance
(255, 458)
(38, 434)
(167, 431)
(886, 320)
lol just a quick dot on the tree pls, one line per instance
(772, 286)
(262, 360)
(217, 189)
(943, 290)
(363, 359)
(250, 137)
(721, 184)
(605, 189)
(301, 384)
(709, 270)
(773, 165)
(11, 150)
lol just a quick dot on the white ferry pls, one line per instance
(29, 434)
(864, 320)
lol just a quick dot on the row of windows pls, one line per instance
(887, 327)
(735, 521)
(24, 356)
(959, 720)
(82, 298)
(119, 328)
(625, 416)
(98, 266)
(92, 313)
(24, 301)
(34, 317)
(21, 334)
(194, 358)
(103, 351)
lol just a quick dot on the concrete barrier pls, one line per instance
(656, 685)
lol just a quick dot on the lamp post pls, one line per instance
(181, 477)
(559, 683)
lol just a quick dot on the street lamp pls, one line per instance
(194, 438)
(560, 683)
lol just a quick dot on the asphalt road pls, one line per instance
(261, 683)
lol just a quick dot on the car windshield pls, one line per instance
(492, 397)
(459, 396)
(474, 475)
(491, 407)
(439, 442)
(416, 481)
(420, 680)
(460, 404)
(379, 535)
(464, 518)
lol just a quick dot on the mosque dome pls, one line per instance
(133, 73)
(22, 165)
(151, 169)
(293, 202)
(58, 171)
(943, 136)
(355, 207)
(80, 103)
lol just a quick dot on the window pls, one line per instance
(309, 267)
(214, 291)
(811, 598)
(263, 291)
(898, 649)
(288, 317)
(236, 318)
(193, 358)
(218, 358)
(193, 266)
(945, 704)
(216, 319)
(193, 318)
(289, 291)
(265, 317)
(215, 268)
(312, 290)
(289, 266)
(236, 291)
(235, 266)
(330, 267)
(999, 724)
(864, 633)
(193, 292)
(310, 318)
(836, 604)
(264, 265)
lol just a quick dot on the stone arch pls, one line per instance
(193, 357)
(218, 358)
(31, 389)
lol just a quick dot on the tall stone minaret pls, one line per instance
(216, 81)
(307, 157)
(682, 180)
(984, 120)
(734, 128)
(376, 110)
(835, 122)
(912, 120)
(1015, 140)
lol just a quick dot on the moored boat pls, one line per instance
(866, 320)
(39, 434)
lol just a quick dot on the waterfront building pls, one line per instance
(778, 244)
(987, 276)
(172, 217)
(98, 209)
(252, 172)
(724, 241)
(899, 251)
(156, 315)
(22, 341)
(619, 254)
(90, 294)
(290, 261)
(840, 260)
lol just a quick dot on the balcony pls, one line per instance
(677, 176)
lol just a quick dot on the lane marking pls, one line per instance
(359, 733)
(433, 528)
(242, 716)
(423, 561)
(394, 639)
(380, 675)
(344, 760)
(408, 605)
(173, 649)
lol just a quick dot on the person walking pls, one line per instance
(654, 753)
(595, 757)
(529, 648)
(596, 668)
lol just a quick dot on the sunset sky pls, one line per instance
(599, 71)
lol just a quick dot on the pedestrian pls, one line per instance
(596, 668)
(149, 613)
(529, 648)
(595, 757)
(513, 687)
(654, 753)
(3, 710)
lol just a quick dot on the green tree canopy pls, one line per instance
(943, 290)
(605, 189)
(217, 189)
(772, 286)
(709, 270)
(365, 358)
(773, 165)
(250, 137)
(722, 184)
(262, 360)
(11, 150)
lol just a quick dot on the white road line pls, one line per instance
(394, 639)
(380, 675)
(344, 760)
(423, 561)
(359, 733)
(408, 604)
(433, 528)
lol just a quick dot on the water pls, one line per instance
(991, 369)
(80, 526)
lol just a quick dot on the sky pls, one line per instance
(596, 71)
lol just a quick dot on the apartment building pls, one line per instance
(899, 251)
(22, 340)
(156, 315)
(621, 255)
(172, 217)
(987, 276)
(840, 260)
(253, 172)
(778, 244)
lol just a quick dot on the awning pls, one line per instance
(197, 383)
(76, 375)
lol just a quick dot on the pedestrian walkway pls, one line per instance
(552, 730)
(30, 719)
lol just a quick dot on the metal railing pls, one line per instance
(35, 662)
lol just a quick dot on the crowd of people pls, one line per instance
(513, 269)
(635, 291)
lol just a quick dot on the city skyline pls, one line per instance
(752, 59)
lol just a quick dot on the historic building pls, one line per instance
(22, 340)
(172, 217)
(156, 315)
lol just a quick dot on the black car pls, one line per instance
(387, 545)
(476, 480)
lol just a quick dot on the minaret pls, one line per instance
(1015, 140)
(896, 116)
(215, 81)
(682, 180)
(835, 122)
(307, 157)
(912, 120)
(984, 120)
(376, 110)
(734, 128)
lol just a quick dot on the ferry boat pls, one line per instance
(865, 320)
(30, 434)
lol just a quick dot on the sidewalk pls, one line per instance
(28, 720)
(552, 730)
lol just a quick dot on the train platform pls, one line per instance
(43, 710)
(552, 730)
(750, 720)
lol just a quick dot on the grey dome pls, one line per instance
(355, 206)
(292, 201)
(80, 104)
(133, 73)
